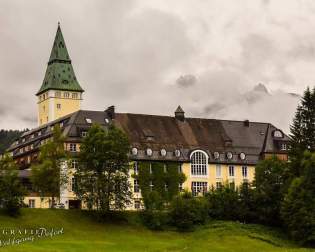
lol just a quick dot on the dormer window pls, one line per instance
(88, 120)
(134, 151)
(163, 152)
(177, 153)
(83, 134)
(229, 155)
(242, 156)
(216, 155)
(149, 152)
(277, 134)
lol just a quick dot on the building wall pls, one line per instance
(54, 104)
(212, 179)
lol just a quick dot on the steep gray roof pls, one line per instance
(169, 133)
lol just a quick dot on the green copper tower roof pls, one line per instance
(59, 74)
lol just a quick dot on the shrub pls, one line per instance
(223, 203)
(187, 211)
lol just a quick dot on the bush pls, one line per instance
(155, 219)
(187, 211)
(223, 203)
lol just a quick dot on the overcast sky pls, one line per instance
(149, 56)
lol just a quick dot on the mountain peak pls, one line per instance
(261, 88)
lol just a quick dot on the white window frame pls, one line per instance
(200, 165)
(245, 171)
(31, 203)
(136, 187)
(233, 175)
(198, 187)
(73, 147)
(218, 171)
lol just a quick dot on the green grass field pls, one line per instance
(82, 233)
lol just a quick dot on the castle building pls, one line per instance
(209, 152)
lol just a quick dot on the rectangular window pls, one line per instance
(218, 171)
(73, 184)
(150, 168)
(136, 188)
(135, 168)
(74, 96)
(231, 171)
(73, 163)
(83, 133)
(66, 95)
(165, 187)
(58, 106)
(283, 147)
(198, 188)
(165, 168)
(180, 168)
(137, 204)
(244, 171)
(232, 185)
(58, 94)
(180, 187)
(218, 185)
(31, 203)
(72, 147)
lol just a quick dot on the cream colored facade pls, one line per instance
(212, 178)
(54, 104)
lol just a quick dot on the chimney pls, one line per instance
(246, 123)
(180, 114)
(110, 112)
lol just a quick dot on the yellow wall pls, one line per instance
(48, 105)
(211, 179)
(68, 106)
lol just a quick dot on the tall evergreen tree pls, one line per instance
(298, 207)
(47, 175)
(302, 131)
(269, 184)
(103, 172)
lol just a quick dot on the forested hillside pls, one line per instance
(7, 137)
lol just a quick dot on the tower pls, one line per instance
(60, 93)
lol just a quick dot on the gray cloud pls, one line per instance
(132, 54)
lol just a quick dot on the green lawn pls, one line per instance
(82, 233)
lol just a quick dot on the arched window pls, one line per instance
(199, 163)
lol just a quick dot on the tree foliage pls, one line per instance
(298, 207)
(11, 188)
(164, 178)
(187, 211)
(47, 175)
(223, 203)
(103, 172)
(7, 137)
(302, 131)
(269, 184)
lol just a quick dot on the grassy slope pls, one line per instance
(84, 234)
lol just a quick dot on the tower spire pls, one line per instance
(59, 74)
(60, 93)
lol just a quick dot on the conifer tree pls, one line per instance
(298, 207)
(302, 131)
